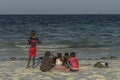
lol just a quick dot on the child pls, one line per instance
(65, 60)
(59, 63)
(101, 65)
(46, 62)
(73, 62)
(33, 40)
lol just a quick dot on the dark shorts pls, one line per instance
(73, 70)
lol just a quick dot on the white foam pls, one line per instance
(3, 49)
(21, 46)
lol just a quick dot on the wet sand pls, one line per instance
(16, 70)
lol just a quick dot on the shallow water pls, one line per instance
(84, 34)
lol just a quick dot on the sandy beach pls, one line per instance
(16, 70)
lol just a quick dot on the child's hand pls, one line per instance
(39, 42)
(28, 42)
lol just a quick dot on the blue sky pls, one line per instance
(59, 6)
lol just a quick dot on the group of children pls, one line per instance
(68, 62)
(57, 63)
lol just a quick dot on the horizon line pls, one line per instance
(60, 14)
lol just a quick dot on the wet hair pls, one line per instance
(47, 53)
(33, 33)
(106, 64)
(72, 54)
(59, 55)
(66, 54)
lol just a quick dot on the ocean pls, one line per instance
(90, 36)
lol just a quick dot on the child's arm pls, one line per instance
(38, 41)
(52, 55)
(28, 41)
(61, 59)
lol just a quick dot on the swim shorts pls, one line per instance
(32, 52)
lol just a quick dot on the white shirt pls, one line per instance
(58, 62)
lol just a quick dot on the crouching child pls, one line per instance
(73, 62)
(46, 62)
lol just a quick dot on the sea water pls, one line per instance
(89, 36)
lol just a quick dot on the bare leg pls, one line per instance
(29, 60)
(33, 62)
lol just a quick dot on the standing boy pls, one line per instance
(33, 40)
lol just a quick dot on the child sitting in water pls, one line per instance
(46, 62)
(73, 62)
(66, 60)
(59, 63)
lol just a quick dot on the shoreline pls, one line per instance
(25, 58)
(81, 53)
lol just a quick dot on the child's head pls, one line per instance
(72, 54)
(66, 54)
(59, 55)
(33, 33)
(47, 53)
